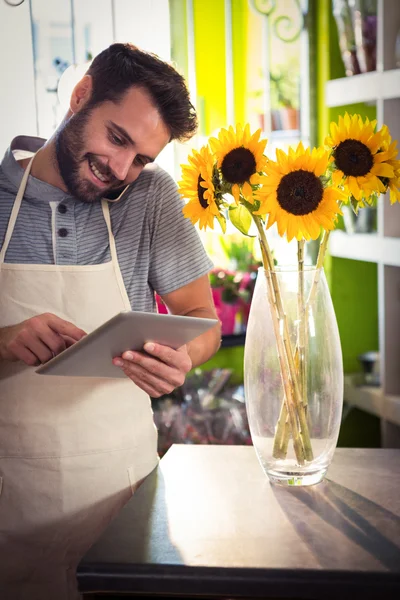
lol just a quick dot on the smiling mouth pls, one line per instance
(97, 174)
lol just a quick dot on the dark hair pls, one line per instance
(122, 66)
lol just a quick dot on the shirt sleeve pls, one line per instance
(177, 255)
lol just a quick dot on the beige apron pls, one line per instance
(71, 449)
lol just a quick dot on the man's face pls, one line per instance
(105, 148)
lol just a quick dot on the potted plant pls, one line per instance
(225, 286)
(284, 88)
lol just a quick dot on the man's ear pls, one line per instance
(81, 94)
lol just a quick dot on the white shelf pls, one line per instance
(369, 247)
(391, 409)
(381, 88)
(365, 397)
(371, 399)
(366, 87)
(283, 134)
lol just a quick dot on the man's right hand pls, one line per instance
(38, 339)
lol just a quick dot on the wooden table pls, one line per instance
(207, 523)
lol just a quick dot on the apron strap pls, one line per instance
(106, 213)
(114, 257)
(15, 210)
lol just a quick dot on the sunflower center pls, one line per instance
(238, 165)
(353, 158)
(300, 192)
(200, 192)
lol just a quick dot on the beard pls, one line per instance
(70, 156)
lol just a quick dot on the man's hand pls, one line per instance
(158, 370)
(38, 339)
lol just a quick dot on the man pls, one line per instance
(89, 227)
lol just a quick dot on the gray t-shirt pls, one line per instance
(158, 249)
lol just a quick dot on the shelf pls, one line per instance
(369, 247)
(284, 134)
(371, 399)
(392, 409)
(365, 397)
(366, 87)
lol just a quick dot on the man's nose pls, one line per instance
(121, 164)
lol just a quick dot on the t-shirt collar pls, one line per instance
(23, 147)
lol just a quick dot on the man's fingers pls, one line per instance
(179, 359)
(69, 341)
(19, 352)
(63, 327)
(38, 339)
(145, 379)
(43, 341)
(53, 341)
(149, 364)
(145, 386)
(155, 368)
(42, 352)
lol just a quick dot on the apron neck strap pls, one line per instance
(17, 205)
(15, 210)
(106, 213)
(114, 256)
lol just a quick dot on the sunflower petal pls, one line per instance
(236, 192)
(247, 191)
(382, 170)
(337, 177)
(354, 187)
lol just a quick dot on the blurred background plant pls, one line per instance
(284, 93)
(284, 85)
(233, 286)
(285, 99)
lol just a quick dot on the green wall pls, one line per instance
(179, 53)
(354, 294)
(240, 10)
(210, 57)
(209, 32)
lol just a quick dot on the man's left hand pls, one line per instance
(158, 370)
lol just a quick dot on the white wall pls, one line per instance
(17, 90)
(142, 22)
(145, 24)
(97, 16)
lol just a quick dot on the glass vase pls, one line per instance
(293, 375)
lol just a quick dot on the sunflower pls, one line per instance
(394, 187)
(197, 186)
(240, 157)
(392, 183)
(295, 197)
(360, 157)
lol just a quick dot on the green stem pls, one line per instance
(320, 263)
(300, 364)
(301, 323)
(294, 407)
(282, 433)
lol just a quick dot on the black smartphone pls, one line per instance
(117, 195)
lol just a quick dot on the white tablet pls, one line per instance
(92, 355)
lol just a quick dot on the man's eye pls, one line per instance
(116, 140)
(139, 161)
